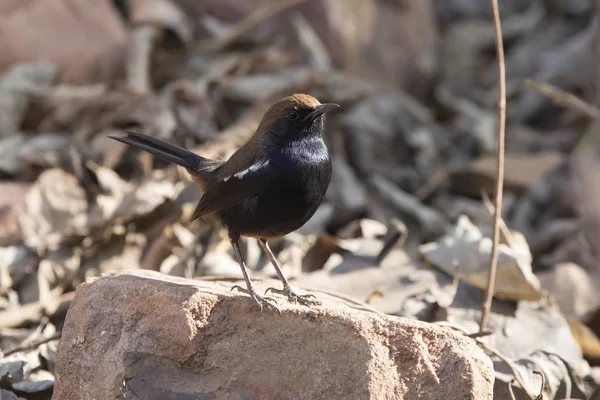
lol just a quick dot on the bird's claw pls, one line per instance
(304, 299)
(259, 300)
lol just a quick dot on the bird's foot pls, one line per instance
(259, 300)
(304, 299)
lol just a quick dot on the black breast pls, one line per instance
(303, 172)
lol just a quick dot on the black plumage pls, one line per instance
(269, 187)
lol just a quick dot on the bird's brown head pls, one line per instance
(295, 116)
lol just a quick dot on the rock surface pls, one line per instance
(150, 336)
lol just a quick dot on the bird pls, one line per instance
(269, 187)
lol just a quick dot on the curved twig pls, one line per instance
(510, 390)
(541, 374)
(30, 346)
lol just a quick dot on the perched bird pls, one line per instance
(269, 187)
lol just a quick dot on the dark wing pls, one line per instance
(233, 189)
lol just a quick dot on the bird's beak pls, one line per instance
(320, 110)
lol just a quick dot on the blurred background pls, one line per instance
(406, 223)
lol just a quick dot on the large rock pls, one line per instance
(150, 336)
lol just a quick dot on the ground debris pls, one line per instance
(405, 226)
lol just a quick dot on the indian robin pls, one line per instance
(269, 187)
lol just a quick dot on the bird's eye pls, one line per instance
(293, 116)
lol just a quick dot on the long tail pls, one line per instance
(201, 169)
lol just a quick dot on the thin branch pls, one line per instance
(397, 234)
(432, 183)
(480, 334)
(490, 208)
(510, 390)
(597, 54)
(30, 346)
(33, 312)
(541, 374)
(564, 99)
(264, 11)
(487, 305)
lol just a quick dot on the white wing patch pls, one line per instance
(252, 168)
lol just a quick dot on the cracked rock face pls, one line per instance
(150, 336)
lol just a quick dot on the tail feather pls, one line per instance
(201, 169)
(161, 149)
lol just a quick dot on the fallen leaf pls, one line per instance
(56, 272)
(122, 201)
(6, 395)
(56, 207)
(117, 250)
(15, 368)
(38, 381)
(575, 290)
(367, 228)
(466, 247)
(16, 262)
(559, 376)
(39, 152)
(587, 339)
(48, 350)
(17, 87)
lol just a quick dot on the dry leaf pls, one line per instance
(15, 368)
(36, 382)
(24, 151)
(126, 257)
(575, 290)
(6, 395)
(12, 204)
(17, 87)
(219, 264)
(587, 340)
(355, 276)
(559, 375)
(56, 207)
(367, 228)
(123, 201)
(56, 272)
(16, 262)
(467, 247)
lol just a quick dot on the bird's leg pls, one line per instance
(306, 300)
(250, 289)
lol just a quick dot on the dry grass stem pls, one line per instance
(541, 374)
(564, 99)
(487, 305)
(491, 209)
(510, 390)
